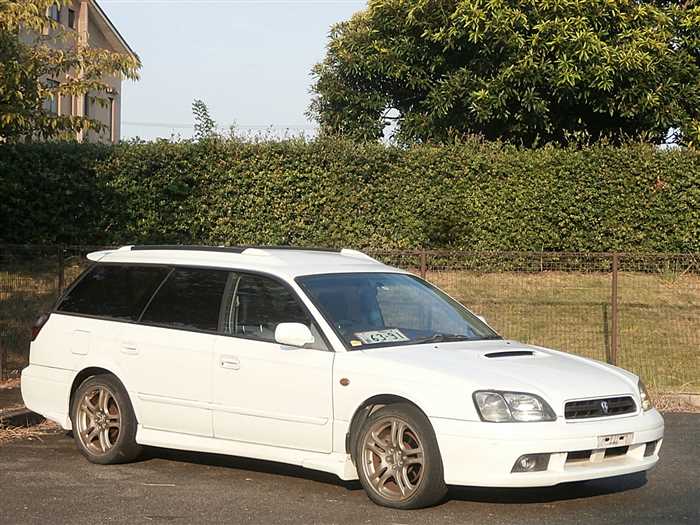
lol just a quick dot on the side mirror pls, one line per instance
(293, 334)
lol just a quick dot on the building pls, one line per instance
(95, 30)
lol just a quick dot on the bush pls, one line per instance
(473, 195)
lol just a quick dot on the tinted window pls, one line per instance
(190, 298)
(119, 292)
(259, 305)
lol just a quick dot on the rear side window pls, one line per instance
(190, 298)
(116, 292)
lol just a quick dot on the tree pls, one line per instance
(34, 50)
(204, 125)
(523, 71)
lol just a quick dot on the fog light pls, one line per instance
(650, 448)
(531, 463)
(527, 463)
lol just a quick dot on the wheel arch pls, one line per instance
(367, 407)
(92, 371)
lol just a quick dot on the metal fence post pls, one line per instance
(614, 311)
(61, 269)
(423, 264)
(3, 363)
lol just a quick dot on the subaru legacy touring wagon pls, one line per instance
(329, 360)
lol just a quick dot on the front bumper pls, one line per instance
(483, 454)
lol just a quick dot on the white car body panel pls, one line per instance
(230, 395)
(273, 395)
(170, 373)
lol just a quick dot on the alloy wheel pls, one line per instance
(99, 420)
(393, 459)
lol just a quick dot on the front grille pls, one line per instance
(611, 406)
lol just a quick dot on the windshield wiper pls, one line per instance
(442, 338)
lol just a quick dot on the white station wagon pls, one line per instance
(329, 360)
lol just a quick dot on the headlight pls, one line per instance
(499, 407)
(644, 396)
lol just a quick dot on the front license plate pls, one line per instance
(615, 440)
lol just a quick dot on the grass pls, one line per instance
(9, 434)
(9, 384)
(659, 322)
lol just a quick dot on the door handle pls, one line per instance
(230, 362)
(129, 348)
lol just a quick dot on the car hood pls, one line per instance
(507, 365)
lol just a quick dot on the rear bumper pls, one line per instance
(46, 391)
(483, 454)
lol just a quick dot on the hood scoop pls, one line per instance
(510, 353)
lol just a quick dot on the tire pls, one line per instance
(398, 459)
(104, 424)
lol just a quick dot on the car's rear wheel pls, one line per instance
(398, 459)
(104, 425)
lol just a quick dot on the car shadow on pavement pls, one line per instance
(562, 492)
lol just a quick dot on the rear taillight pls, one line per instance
(39, 324)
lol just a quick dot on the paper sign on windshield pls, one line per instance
(391, 335)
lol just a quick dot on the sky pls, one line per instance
(249, 60)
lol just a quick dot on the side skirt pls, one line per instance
(334, 463)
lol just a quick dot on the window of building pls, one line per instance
(55, 12)
(190, 299)
(71, 18)
(116, 292)
(51, 103)
(86, 105)
(110, 120)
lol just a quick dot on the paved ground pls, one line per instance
(49, 482)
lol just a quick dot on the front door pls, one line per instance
(264, 392)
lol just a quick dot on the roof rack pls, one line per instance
(226, 249)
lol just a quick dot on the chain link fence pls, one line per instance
(641, 312)
(31, 278)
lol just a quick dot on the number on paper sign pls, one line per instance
(391, 335)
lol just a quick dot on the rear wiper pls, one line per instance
(443, 338)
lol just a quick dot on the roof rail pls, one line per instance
(183, 247)
(226, 249)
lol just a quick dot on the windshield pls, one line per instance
(369, 310)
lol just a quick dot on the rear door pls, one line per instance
(171, 350)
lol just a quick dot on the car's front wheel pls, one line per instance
(398, 459)
(104, 425)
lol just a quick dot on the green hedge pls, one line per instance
(334, 193)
